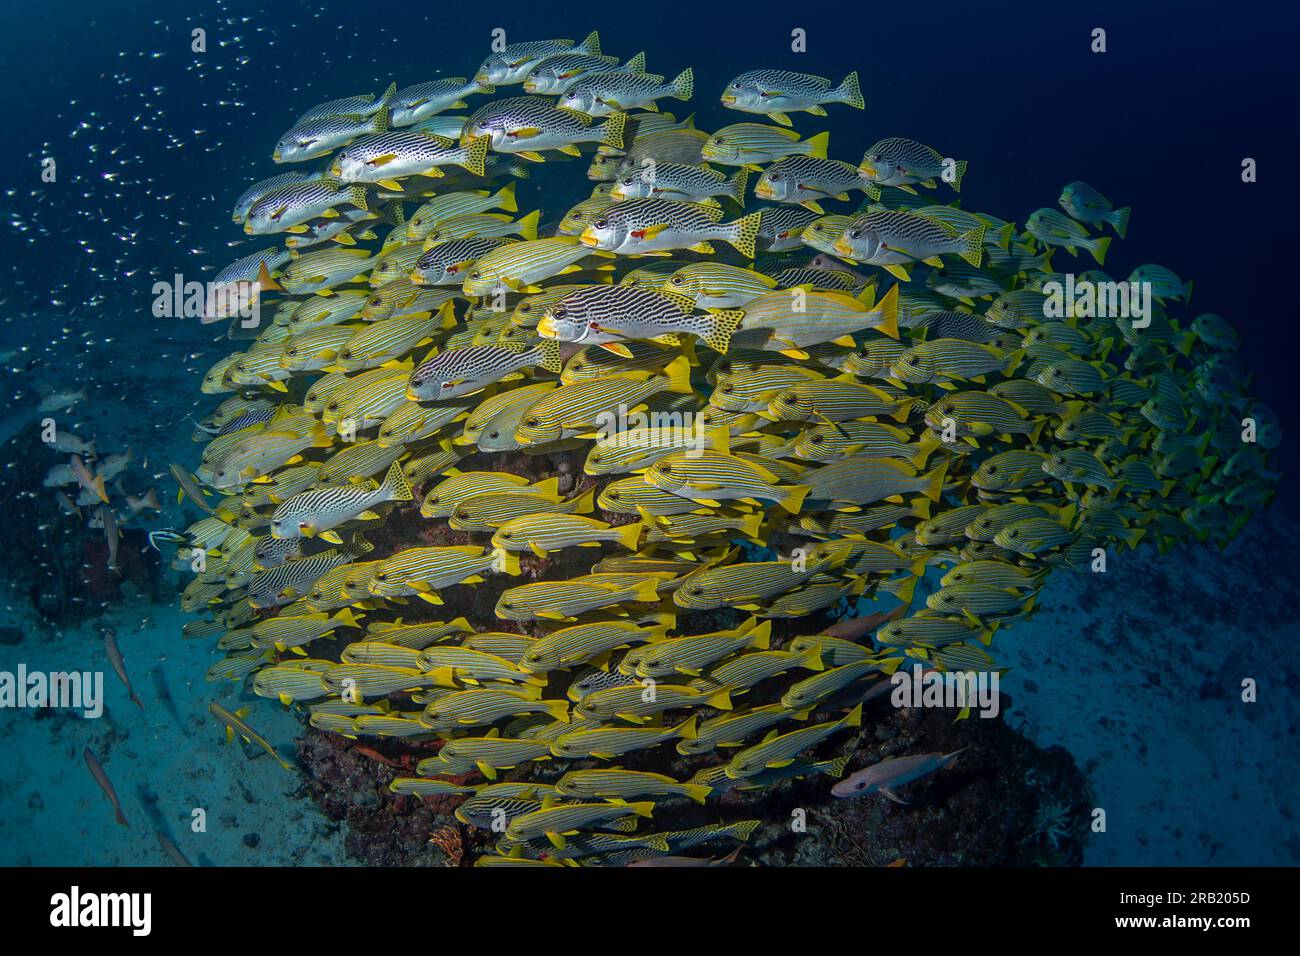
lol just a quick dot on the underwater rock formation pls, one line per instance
(1039, 794)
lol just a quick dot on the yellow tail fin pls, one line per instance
(678, 373)
(629, 535)
(396, 485)
(746, 233)
(818, 144)
(792, 501)
(974, 243)
(505, 198)
(476, 155)
(934, 482)
(888, 309)
(528, 224)
(584, 504)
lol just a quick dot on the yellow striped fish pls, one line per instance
(561, 600)
(423, 571)
(544, 533)
(519, 267)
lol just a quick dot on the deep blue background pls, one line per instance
(1160, 122)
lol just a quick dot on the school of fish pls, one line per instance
(779, 410)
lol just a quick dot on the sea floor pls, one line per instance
(166, 761)
(1141, 673)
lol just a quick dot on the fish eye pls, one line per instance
(614, 495)
(735, 86)
(476, 274)
(601, 223)
(561, 313)
(697, 590)
(819, 439)
(774, 177)
(507, 535)
(855, 233)
(666, 469)
(494, 435)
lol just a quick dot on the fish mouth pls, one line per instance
(546, 327)
(589, 238)
(336, 169)
(275, 156)
(248, 228)
(841, 247)
(868, 170)
(763, 191)
(413, 396)
(728, 99)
